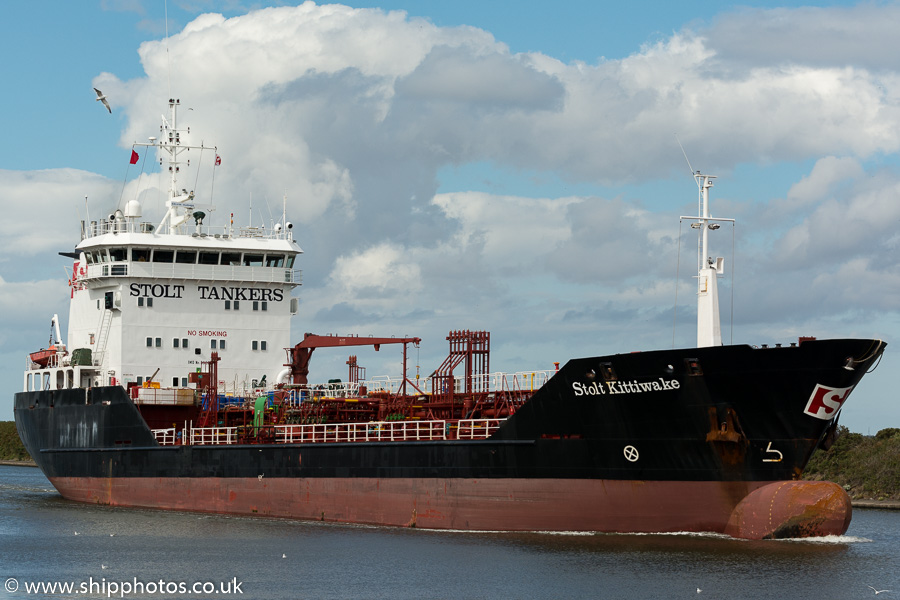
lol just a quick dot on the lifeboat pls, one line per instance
(42, 357)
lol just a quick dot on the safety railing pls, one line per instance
(193, 271)
(477, 429)
(164, 437)
(374, 431)
(213, 435)
(518, 382)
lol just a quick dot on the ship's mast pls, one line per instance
(709, 329)
(180, 204)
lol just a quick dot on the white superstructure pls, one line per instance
(154, 301)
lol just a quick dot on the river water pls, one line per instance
(112, 552)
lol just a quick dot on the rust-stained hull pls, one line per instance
(463, 504)
(789, 509)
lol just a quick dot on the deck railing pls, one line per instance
(213, 435)
(193, 271)
(373, 431)
(477, 429)
(165, 437)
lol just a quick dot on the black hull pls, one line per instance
(555, 434)
(726, 414)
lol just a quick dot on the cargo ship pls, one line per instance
(178, 388)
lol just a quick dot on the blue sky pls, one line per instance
(510, 166)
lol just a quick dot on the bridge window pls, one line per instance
(230, 258)
(140, 254)
(209, 258)
(163, 256)
(289, 263)
(118, 254)
(253, 260)
(274, 260)
(186, 257)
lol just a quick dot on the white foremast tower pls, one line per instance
(709, 329)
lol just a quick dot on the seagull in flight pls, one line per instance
(876, 591)
(102, 99)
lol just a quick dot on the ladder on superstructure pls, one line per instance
(99, 358)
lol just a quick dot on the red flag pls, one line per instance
(134, 157)
(218, 160)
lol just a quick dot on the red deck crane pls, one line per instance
(299, 355)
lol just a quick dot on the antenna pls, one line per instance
(168, 59)
(693, 174)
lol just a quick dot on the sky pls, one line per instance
(517, 167)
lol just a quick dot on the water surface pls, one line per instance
(46, 538)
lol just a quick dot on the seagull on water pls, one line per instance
(877, 591)
(101, 98)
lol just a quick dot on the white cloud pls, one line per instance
(826, 173)
(377, 269)
(512, 232)
(863, 35)
(42, 209)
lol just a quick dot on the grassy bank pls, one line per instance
(11, 447)
(868, 467)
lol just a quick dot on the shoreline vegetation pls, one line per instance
(867, 467)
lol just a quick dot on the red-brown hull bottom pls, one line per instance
(792, 509)
(466, 504)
